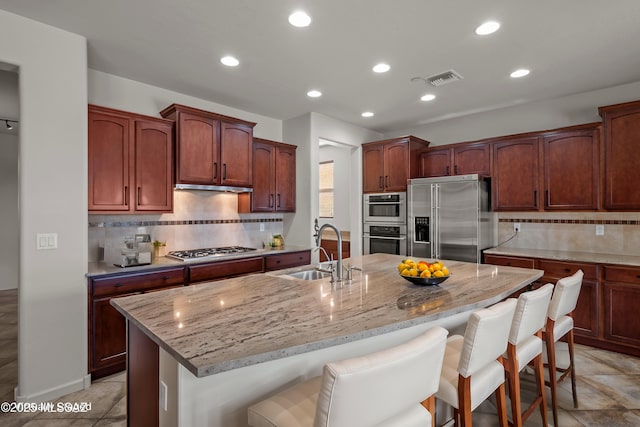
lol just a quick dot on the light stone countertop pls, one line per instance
(102, 268)
(215, 327)
(577, 256)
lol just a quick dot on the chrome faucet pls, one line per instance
(318, 237)
(331, 269)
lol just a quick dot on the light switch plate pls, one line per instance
(46, 241)
(599, 230)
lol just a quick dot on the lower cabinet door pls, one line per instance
(622, 323)
(108, 338)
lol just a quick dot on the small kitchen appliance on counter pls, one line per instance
(136, 251)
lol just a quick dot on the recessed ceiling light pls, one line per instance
(520, 73)
(488, 27)
(299, 19)
(381, 68)
(367, 114)
(314, 94)
(229, 61)
(428, 97)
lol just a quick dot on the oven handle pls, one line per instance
(376, 203)
(368, 236)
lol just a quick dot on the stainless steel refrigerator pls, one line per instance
(449, 218)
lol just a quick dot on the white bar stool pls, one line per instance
(392, 387)
(473, 368)
(560, 326)
(525, 345)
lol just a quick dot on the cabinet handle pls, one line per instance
(118, 285)
(447, 171)
(270, 200)
(535, 198)
(139, 196)
(387, 181)
(278, 200)
(567, 270)
(224, 171)
(126, 195)
(215, 170)
(455, 169)
(165, 278)
(546, 197)
(380, 184)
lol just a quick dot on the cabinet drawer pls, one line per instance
(622, 274)
(291, 259)
(560, 269)
(224, 269)
(509, 261)
(137, 282)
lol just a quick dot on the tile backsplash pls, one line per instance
(200, 219)
(572, 231)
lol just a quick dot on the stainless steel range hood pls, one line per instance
(221, 188)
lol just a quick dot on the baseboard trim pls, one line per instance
(54, 392)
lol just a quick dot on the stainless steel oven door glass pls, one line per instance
(385, 238)
(385, 207)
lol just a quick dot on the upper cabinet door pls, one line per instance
(235, 154)
(435, 162)
(263, 196)
(109, 162)
(571, 170)
(621, 156)
(515, 175)
(472, 158)
(198, 146)
(396, 166)
(285, 199)
(372, 168)
(154, 170)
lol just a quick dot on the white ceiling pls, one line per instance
(571, 46)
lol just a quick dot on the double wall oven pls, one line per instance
(385, 223)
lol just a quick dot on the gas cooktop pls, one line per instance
(208, 252)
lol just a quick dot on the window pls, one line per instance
(326, 189)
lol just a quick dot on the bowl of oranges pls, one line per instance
(423, 272)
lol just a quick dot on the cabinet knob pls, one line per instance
(117, 285)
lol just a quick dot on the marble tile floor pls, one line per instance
(608, 390)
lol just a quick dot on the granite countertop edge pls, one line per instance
(567, 255)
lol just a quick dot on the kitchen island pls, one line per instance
(221, 347)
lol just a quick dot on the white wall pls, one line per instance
(53, 199)
(112, 91)
(535, 116)
(10, 223)
(306, 131)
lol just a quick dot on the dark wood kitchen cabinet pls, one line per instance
(107, 327)
(274, 178)
(211, 149)
(571, 168)
(130, 162)
(621, 156)
(456, 159)
(225, 269)
(386, 165)
(287, 260)
(515, 174)
(621, 302)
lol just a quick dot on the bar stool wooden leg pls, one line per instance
(539, 371)
(501, 404)
(430, 405)
(573, 368)
(513, 376)
(551, 361)
(464, 393)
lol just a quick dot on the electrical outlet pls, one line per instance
(516, 227)
(262, 226)
(599, 230)
(163, 395)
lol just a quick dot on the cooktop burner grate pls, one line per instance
(209, 252)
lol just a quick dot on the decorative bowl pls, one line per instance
(422, 281)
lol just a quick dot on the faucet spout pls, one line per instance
(318, 237)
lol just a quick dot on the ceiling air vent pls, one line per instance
(443, 78)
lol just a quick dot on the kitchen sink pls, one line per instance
(310, 274)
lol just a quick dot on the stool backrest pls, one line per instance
(531, 313)
(368, 390)
(565, 296)
(485, 337)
